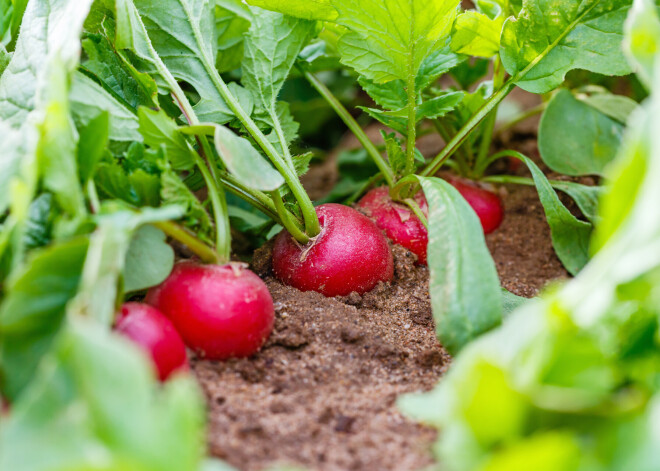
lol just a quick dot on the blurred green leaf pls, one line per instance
(33, 309)
(149, 260)
(577, 139)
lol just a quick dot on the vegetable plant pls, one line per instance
(139, 132)
(220, 311)
(568, 381)
(155, 333)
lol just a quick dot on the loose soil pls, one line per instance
(322, 393)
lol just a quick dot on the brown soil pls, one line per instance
(322, 393)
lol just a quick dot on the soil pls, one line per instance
(322, 393)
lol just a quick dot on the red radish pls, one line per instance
(220, 311)
(155, 334)
(397, 220)
(486, 204)
(349, 255)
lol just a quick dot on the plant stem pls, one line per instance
(204, 252)
(218, 199)
(312, 226)
(489, 126)
(465, 131)
(220, 213)
(92, 194)
(412, 124)
(412, 204)
(353, 125)
(521, 117)
(288, 224)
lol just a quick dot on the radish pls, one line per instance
(154, 333)
(397, 220)
(486, 204)
(349, 255)
(220, 311)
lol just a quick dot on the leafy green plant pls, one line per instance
(130, 124)
(569, 381)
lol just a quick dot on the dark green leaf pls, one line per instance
(92, 143)
(465, 289)
(570, 236)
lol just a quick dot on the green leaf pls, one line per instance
(51, 30)
(570, 236)
(617, 107)
(305, 9)
(232, 20)
(586, 197)
(176, 39)
(5, 58)
(576, 138)
(436, 107)
(12, 150)
(158, 129)
(551, 37)
(137, 187)
(511, 302)
(108, 245)
(92, 143)
(116, 75)
(73, 418)
(175, 192)
(390, 39)
(245, 162)
(33, 309)
(39, 224)
(476, 34)
(643, 39)
(465, 289)
(271, 46)
(89, 99)
(149, 260)
(57, 147)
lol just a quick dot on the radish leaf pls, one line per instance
(549, 38)
(576, 138)
(465, 289)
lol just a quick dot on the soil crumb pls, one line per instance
(322, 393)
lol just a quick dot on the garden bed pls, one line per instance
(322, 393)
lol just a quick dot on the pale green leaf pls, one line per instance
(389, 39)
(104, 263)
(149, 259)
(617, 107)
(89, 99)
(51, 30)
(576, 138)
(245, 162)
(465, 289)
(551, 37)
(305, 9)
(476, 34)
(642, 44)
